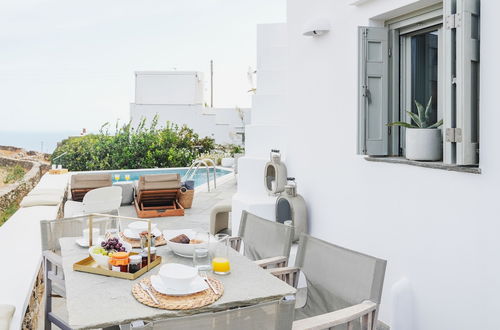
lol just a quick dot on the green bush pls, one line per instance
(14, 173)
(7, 213)
(131, 148)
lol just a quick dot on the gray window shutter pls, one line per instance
(373, 91)
(467, 39)
(461, 47)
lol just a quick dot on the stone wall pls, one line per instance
(14, 193)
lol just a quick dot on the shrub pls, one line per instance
(14, 173)
(131, 148)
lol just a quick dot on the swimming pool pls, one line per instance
(199, 178)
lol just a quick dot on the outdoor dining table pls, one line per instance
(96, 301)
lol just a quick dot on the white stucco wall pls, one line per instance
(218, 123)
(177, 96)
(438, 229)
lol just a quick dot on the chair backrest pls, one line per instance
(274, 315)
(160, 181)
(91, 180)
(53, 230)
(337, 277)
(264, 238)
(102, 200)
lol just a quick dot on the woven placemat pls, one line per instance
(136, 243)
(195, 300)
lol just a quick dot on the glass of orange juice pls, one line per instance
(220, 260)
(117, 177)
(127, 177)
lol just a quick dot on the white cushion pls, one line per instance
(46, 191)
(40, 200)
(6, 313)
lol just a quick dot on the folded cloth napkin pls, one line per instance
(189, 184)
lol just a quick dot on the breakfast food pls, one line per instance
(183, 239)
(195, 241)
(108, 247)
(145, 234)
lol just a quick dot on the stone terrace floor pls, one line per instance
(198, 216)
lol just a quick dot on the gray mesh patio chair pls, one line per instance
(344, 287)
(266, 242)
(273, 315)
(51, 232)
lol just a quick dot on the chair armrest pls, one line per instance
(365, 310)
(290, 275)
(54, 259)
(279, 262)
(235, 242)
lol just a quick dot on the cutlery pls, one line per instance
(204, 277)
(148, 291)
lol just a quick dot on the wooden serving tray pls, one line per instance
(88, 265)
(58, 171)
(173, 210)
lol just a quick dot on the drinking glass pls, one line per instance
(127, 177)
(201, 259)
(117, 177)
(220, 261)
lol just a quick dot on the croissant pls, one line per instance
(183, 239)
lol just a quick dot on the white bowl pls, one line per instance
(102, 260)
(177, 276)
(183, 250)
(138, 227)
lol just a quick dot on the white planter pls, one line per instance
(424, 144)
(227, 162)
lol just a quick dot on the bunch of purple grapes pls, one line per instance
(113, 244)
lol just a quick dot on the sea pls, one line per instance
(36, 141)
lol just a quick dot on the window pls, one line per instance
(431, 54)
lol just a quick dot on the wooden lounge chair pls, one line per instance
(157, 196)
(84, 182)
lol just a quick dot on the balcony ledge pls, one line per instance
(434, 165)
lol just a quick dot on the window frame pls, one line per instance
(427, 19)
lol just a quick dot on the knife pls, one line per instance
(146, 288)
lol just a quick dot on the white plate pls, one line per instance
(130, 234)
(85, 242)
(197, 285)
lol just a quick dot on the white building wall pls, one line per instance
(177, 96)
(169, 87)
(437, 229)
(218, 123)
(266, 131)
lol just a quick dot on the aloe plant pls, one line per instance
(421, 119)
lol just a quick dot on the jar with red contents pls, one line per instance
(119, 262)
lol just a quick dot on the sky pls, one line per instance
(66, 65)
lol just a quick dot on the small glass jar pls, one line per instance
(119, 262)
(135, 263)
(144, 255)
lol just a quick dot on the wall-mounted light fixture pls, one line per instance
(316, 27)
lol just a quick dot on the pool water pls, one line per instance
(199, 178)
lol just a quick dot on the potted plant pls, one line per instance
(423, 139)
